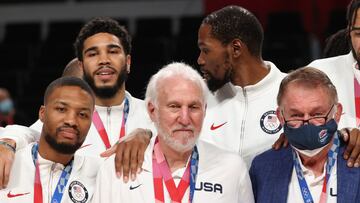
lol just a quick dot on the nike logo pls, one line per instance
(9, 195)
(213, 127)
(132, 188)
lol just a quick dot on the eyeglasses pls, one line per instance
(316, 120)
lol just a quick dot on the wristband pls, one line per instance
(8, 146)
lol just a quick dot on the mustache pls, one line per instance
(189, 128)
(105, 66)
(66, 128)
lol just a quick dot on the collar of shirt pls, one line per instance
(116, 107)
(310, 176)
(258, 89)
(44, 163)
(113, 108)
(314, 184)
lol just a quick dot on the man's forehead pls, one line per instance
(70, 92)
(102, 39)
(185, 93)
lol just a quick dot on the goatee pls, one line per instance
(107, 92)
(63, 148)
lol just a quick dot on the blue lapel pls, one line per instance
(283, 169)
(274, 172)
(348, 181)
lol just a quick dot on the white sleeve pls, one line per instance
(22, 135)
(245, 194)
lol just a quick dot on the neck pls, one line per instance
(316, 163)
(174, 158)
(249, 71)
(117, 99)
(49, 153)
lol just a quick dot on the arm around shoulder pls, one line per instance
(21, 135)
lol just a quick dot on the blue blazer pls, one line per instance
(271, 172)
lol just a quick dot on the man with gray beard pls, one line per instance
(178, 167)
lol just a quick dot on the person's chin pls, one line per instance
(68, 142)
(105, 83)
(183, 147)
(67, 135)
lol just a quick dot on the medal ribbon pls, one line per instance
(332, 156)
(357, 101)
(60, 187)
(101, 129)
(161, 171)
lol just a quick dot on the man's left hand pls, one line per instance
(352, 151)
(129, 153)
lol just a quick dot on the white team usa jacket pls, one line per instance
(243, 120)
(222, 177)
(79, 189)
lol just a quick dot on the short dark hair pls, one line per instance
(234, 22)
(99, 25)
(68, 81)
(307, 77)
(352, 12)
(337, 44)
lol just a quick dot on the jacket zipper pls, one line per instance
(108, 122)
(242, 129)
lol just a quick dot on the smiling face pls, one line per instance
(213, 60)
(67, 118)
(105, 64)
(179, 112)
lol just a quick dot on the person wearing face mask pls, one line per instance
(8, 114)
(311, 168)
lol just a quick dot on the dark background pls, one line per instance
(36, 36)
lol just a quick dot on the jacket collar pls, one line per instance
(268, 82)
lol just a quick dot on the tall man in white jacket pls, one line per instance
(241, 116)
(178, 167)
(48, 171)
(344, 73)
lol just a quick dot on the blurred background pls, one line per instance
(36, 37)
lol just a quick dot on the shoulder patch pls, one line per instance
(77, 192)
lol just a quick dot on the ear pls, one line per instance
(280, 116)
(81, 64)
(338, 112)
(236, 47)
(128, 63)
(151, 111)
(42, 113)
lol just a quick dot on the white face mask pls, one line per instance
(309, 153)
